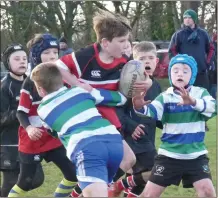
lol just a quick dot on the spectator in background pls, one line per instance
(194, 41)
(213, 70)
(64, 49)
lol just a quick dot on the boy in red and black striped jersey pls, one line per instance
(99, 65)
(35, 143)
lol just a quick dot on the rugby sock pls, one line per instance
(136, 191)
(76, 191)
(130, 181)
(16, 191)
(118, 175)
(64, 188)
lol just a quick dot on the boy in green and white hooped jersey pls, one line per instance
(183, 110)
(92, 143)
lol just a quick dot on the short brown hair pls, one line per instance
(144, 46)
(109, 26)
(47, 76)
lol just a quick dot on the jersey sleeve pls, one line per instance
(25, 102)
(154, 110)
(108, 98)
(69, 63)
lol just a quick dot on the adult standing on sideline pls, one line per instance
(194, 41)
(64, 49)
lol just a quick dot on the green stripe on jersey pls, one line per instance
(91, 127)
(183, 148)
(183, 117)
(71, 112)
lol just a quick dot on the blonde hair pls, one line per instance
(47, 76)
(36, 38)
(107, 25)
(144, 46)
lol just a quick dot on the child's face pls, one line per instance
(128, 50)
(18, 62)
(49, 55)
(149, 60)
(180, 74)
(117, 47)
(42, 93)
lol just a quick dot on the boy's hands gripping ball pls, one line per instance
(132, 72)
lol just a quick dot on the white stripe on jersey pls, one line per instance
(76, 64)
(99, 82)
(61, 65)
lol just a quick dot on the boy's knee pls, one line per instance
(37, 181)
(205, 191)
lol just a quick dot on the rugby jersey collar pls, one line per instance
(53, 93)
(170, 90)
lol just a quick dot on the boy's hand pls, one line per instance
(138, 100)
(186, 98)
(142, 86)
(138, 132)
(34, 133)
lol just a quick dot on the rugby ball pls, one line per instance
(131, 72)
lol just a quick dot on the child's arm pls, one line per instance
(108, 98)
(25, 104)
(152, 109)
(206, 105)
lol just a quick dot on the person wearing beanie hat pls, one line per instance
(183, 109)
(64, 50)
(194, 41)
(191, 14)
(14, 58)
(35, 142)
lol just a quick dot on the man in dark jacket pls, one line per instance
(194, 41)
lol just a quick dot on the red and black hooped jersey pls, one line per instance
(29, 102)
(86, 65)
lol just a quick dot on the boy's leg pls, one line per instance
(96, 190)
(9, 180)
(141, 172)
(204, 188)
(152, 190)
(197, 174)
(59, 158)
(27, 179)
(127, 163)
(129, 158)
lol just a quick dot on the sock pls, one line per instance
(126, 191)
(125, 183)
(64, 188)
(137, 190)
(76, 191)
(16, 191)
(131, 181)
(118, 175)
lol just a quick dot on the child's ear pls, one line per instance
(104, 42)
(157, 60)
